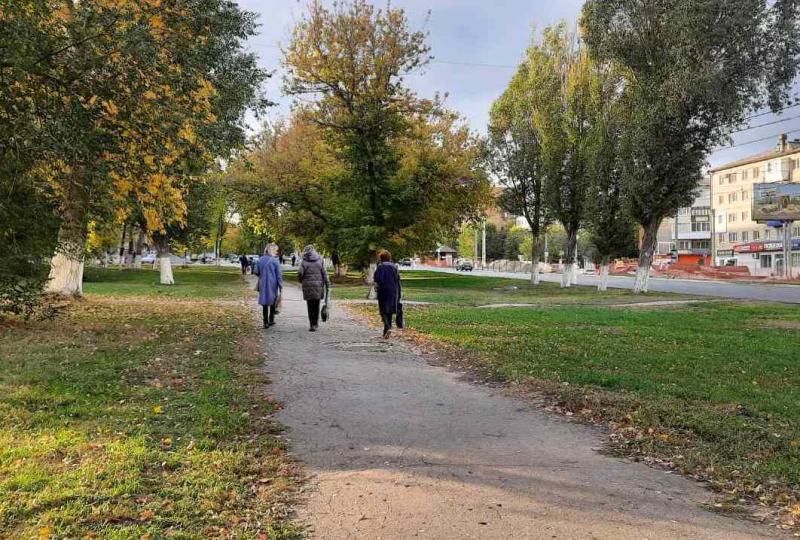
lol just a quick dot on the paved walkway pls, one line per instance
(768, 292)
(399, 449)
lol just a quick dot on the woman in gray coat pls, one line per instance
(315, 282)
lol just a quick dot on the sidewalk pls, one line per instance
(399, 449)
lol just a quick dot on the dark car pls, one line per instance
(405, 262)
(464, 266)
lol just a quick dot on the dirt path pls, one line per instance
(400, 449)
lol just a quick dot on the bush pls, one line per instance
(28, 234)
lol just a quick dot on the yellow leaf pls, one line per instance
(150, 161)
(187, 133)
(110, 108)
(157, 409)
(45, 532)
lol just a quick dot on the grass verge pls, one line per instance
(134, 415)
(476, 290)
(709, 389)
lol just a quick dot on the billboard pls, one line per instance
(776, 202)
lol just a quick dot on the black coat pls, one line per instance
(387, 279)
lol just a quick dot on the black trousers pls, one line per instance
(268, 313)
(313, 312)
(387, 321)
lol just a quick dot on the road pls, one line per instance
(397, 449)
(771, 292)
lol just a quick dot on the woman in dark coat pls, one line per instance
(315, 281)
(270, 283)
(387, 281)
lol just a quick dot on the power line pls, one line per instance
(767, 124)
(762, 139)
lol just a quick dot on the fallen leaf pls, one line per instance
(157, 409)
(45, 532)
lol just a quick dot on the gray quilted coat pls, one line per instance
(313, 276)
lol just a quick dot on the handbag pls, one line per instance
(325, 314)
(401, 323)
(373, 292)
(278, 302)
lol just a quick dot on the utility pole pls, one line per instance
(483, 252)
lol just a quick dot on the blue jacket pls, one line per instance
(387, 278)
(268, 270)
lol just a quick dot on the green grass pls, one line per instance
(475, 290)
(201, 282)
(136, 415)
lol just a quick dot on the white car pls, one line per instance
(149, 258)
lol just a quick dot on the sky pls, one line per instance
(476, 45)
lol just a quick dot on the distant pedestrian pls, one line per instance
(387, 282)
(294, 259)
(270, 283)
(245, 262)
(315, 280)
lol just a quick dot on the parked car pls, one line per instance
(149, 258)
(233, 259)
(405, 262)
(464, 266)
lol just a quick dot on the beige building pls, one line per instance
(737, 239)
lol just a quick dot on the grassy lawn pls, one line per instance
(195, 282)
(140, 413)
(712, 389)
(475, 290)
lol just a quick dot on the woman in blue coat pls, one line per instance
(270, 282)
(387, 280)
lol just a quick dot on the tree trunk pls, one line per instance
(165, 265)
(122, 243)
(648, 247)
(130, 256)
(535, 256)
(137, 255)
(569, 276)
(602, 276)
(66, 266)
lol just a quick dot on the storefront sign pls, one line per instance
(757, 247)
(724, 253)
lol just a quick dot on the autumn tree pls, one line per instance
(409, 167)
(129, 100)
(693, 72)
(514, 157)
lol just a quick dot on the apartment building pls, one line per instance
(737, 239)
(688, 234)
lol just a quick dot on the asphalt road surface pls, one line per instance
(397, 449)
(768, 292)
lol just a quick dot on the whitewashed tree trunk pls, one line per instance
(341, 270)
(66, 266)
(369, 278)
(648, 247)
(66, 275)
(602, 281)
(165, 267)
(566, 276)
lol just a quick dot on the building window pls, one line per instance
(720, 218)
(744, 236)
(796, 232)
(684, 245)
(732, 237)
(721, 179)
(795, 259)
(744, 175)
(702, 244)
(769, 166)
(768, 234)
(732, 197)
(701, 226)
(744, 216)
(683, 211)
(721, 237)
(732, 178)
(755, 172)
(732, 217)
(756, 235)
(745, 195)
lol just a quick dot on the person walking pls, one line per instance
(244, 262)
(387, 283)
(294, 259)
(270, 283)
(315, 282)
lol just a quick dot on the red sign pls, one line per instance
(752, 247)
